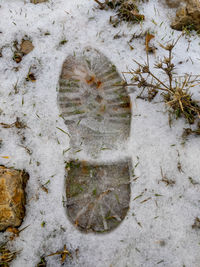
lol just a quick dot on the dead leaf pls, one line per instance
(12, 230)
(26, 47)
(18, 124)
(44, 189)
(148, 39)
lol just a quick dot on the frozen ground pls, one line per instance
(155, 232)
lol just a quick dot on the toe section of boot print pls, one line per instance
(93, 101)
(98, 195)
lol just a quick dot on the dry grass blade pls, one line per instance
(6, 256)
(63, 254)
(165, 179)
(100, 4)
(18, 124)
(189, 131)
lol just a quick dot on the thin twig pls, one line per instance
(99, 3)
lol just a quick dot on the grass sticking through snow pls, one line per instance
(126, 10)
(175, 90)
(6, 256)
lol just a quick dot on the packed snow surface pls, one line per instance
(158, 228)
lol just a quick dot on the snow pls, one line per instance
(155, 232)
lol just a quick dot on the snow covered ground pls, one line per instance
(155, 232)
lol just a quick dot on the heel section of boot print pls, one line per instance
(98, 194)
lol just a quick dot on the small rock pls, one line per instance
(188, 16)
(12, 197)
(26, 47)
(38, 1)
